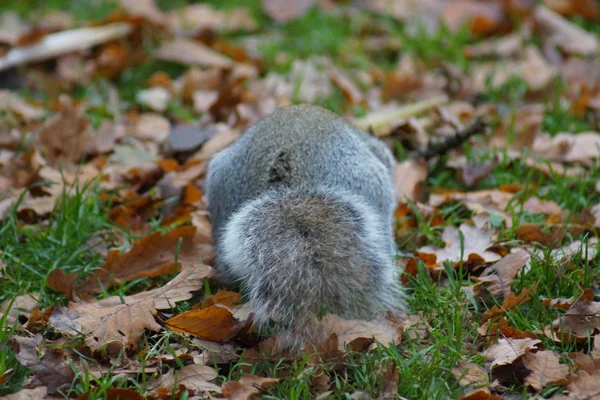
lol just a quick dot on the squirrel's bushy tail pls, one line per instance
(301, 253)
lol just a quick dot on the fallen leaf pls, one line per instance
(115, 323)
(223, 138)
(12, 102)
(506, 351)
(193, 376)
(584, 385)
(38, 393)
(409, 179)
(350, 90)
(114, 394)
(510, 302)
(564, 147)
(246, 387)
(545, 369)
(581, 318)
(213, 323)
(66, 133)
(202, 17)
(390, 379)
(153, 127)
(151, 256)
(382, 330)
(475, 241)
(189, 52)
(570, 38)
(500, 276)
(144, 8)
(283, 11)
(471, 375)
(156, 98)
(52, 369)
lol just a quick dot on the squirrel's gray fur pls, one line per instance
(301, 208)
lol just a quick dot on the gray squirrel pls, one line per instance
(301, 209)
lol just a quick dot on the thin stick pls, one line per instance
(379, 122)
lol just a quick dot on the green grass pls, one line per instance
(31, 252)
(94, 10)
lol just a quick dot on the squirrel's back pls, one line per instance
(301, 207)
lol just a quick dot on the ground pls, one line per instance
(105, 248)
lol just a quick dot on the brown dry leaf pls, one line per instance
(38, 393)
(510, 302)
(506, 351)
(409, 178)
(533, 68)
(382, 330)
(581, 318)
(37, 320)
(570, 38)
(51, 369)
(223, 297)
(116, 323)
(545, 369)
(156, 98)
(12, 102)
(61, 282)
(189, 52)
(152, 127)
(144, 8)
(349, 89)
(586, 250)
(114, 394)
(12, 27)
(500, 276)
(390, 380)
(530, 233)
(246, 387)
(494, 199)
(223, 138)
(103, 139)
(66, 133)
(503, 46)
(471, 375)
(559, 303)
(20, 309)
(476, 241)
(483, 18)
(193, 376)
(538, 206)
(203, 17)
(564, 147)
(309, 80)
(284, 11)
(584, 385)
(214, 323)
(151, 256)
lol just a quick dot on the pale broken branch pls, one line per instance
(64, 42)
(379, 122)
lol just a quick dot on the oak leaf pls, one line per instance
(152, 256)
(500, 276)
(116, 322)
(507, 351)
(545, 369)
(581, 319)
(476, 241)
(213, 323)
(246, 387)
